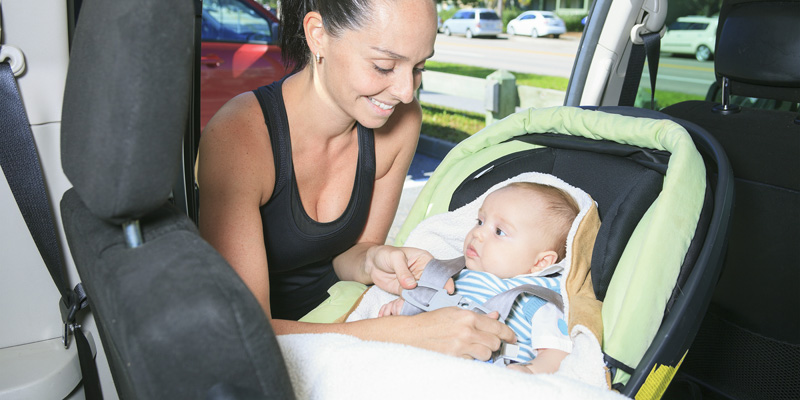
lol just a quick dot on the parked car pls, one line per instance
(536, 23)
(238, 52)
(691, 35)
(474, 22)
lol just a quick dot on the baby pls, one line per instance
(519, 238)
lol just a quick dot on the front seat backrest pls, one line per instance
(174, 318)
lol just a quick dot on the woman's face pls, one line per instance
(368, 72)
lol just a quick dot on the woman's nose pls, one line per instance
(404, 87)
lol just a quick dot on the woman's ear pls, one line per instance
(314, 30)
(544, 260)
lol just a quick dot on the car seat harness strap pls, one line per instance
(430, 295)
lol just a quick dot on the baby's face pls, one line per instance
(508, 235)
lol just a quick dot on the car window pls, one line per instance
(233, 21)
(529, 16)
(698, 26)
(489, 16)
(470, 15)
(678, 26)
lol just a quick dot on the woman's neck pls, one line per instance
(312, 112)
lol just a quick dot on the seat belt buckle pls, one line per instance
(67, 317)
(507, 353)
(440, 299)
(75, 301)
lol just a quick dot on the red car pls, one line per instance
(239, 52)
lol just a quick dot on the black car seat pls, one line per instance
(749, 343)
(175, 320)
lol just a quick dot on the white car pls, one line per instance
(691, 35)
(474, 22)
(536, 23)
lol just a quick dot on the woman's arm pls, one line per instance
(235, 176)
(453, 331)
(369, 261)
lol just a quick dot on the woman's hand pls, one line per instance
(395, 268)
(458, 332)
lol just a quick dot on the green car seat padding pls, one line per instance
(649, 265)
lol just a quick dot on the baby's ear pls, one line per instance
(544, 260)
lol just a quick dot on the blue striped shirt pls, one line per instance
(480, 286)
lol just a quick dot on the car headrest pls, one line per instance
(758, 48)
(126, 104)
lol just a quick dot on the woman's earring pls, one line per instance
(318, 58)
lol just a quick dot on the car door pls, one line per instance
(526, 24)
(238, 52)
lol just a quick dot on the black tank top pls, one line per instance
(300, 250)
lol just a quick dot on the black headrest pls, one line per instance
(758, 48)
(126, 104)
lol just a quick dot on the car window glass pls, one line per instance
(686, 63)
(470, 15)
(233, 21)
(489, 16)
(678, 26)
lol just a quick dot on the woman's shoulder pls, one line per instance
(236, 142)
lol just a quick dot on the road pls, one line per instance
(554, 57)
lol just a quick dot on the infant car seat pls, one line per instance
(175, 320)
(664, 199)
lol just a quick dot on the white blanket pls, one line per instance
(330, 366)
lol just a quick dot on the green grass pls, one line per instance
(450, 124)
(456, 125)
(540, 81)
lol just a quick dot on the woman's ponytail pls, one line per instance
(294, 49)
(337, 15)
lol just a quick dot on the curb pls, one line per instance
(434, 147)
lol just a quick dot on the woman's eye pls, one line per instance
(382, 70)
(419, 70)
(499, 232)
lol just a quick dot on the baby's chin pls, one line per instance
(472, 265)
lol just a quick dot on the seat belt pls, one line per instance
(650, 49)
(430, 295)
(19, 160)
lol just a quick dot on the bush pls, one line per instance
(509, 14)
(446, 14)
(573, 22)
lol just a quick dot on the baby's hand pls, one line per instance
(392, 308)
(520, 367)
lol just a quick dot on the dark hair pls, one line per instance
(337, 16)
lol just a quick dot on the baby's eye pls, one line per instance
(499, 232)
(478, 222)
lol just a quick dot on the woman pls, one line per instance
(278, 198)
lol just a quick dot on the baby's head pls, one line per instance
(522, 228)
